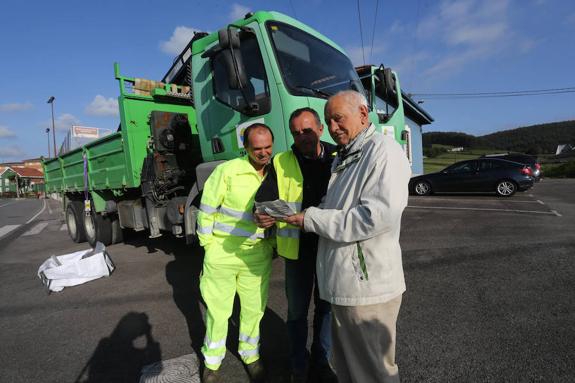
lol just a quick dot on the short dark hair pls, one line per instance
(255, 126)
(296, 113)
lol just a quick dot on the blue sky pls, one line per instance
(67, 49)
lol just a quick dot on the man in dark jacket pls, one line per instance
(300, 177)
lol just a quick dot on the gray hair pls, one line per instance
(351, 97)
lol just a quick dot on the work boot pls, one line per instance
(210, 376)
(256, 371)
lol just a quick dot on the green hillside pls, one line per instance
(535, 139)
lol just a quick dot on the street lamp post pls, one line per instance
(48, 134)
(51, 102)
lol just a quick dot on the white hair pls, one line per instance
(351, 97)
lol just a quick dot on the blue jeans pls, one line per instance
(300, 280)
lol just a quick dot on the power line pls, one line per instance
(360, 32)
(520, 93)
(373, 32)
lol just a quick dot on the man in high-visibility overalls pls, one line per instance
(237, 256)
(300, 177)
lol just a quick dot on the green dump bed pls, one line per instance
(114, 162)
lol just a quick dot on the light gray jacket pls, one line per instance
(359, 257)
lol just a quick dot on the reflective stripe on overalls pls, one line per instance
(237, 260)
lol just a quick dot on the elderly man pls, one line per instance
(359, 258)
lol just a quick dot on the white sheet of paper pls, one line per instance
(277, 209)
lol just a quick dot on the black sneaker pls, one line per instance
(210, 376)
(256, 371)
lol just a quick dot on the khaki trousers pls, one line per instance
(363, 348)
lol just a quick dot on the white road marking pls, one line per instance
(40, 212)
(63, 227)
(556, 213)
(9, 203)
(541, 202)
(482, 209)
(4, 230)
(49, 208)
(482, 200)
(36, 229)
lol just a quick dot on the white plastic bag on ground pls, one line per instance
(76, 268)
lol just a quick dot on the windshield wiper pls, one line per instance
(314, 91)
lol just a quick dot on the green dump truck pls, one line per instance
(150, 173)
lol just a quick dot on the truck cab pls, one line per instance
(261, 69)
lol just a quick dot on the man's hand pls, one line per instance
(263, 220)
(296, 219)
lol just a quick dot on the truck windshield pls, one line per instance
(308, 65)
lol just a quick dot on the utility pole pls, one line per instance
(51, 102)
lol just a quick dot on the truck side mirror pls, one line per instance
(386, 81)
(229, 42)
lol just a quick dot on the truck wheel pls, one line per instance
(117, 232)
(75, 221)
(98, 228)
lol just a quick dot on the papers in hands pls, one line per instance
(278, 209)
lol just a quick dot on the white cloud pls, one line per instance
(102, 106)
(63, 122)
(477, 34)
(6, 133)
(11, 152)
(238, 11)
(469, 30)
(408, 65)
(356, 54)
(179, 39)
(15, 107)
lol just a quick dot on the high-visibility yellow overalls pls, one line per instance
(237, 259)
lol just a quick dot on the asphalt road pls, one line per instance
(491, 297)
(15, 214)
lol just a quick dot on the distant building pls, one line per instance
(459, 149)
(564, 148)
(415, 118)
(20, 181)
(79, 136)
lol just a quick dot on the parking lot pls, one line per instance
(491, 297)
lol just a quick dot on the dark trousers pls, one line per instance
(300, 281)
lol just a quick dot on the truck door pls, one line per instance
(225, 111)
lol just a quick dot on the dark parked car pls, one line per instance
(526, 159)
(482, 175)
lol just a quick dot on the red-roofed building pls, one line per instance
(19, 181)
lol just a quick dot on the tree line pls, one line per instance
(534, 139)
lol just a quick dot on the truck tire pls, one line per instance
(75, 221)
(98, 228)
(117, 232)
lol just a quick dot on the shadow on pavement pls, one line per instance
(121, 356)
(183, 275)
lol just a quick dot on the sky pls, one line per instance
(66, 49)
